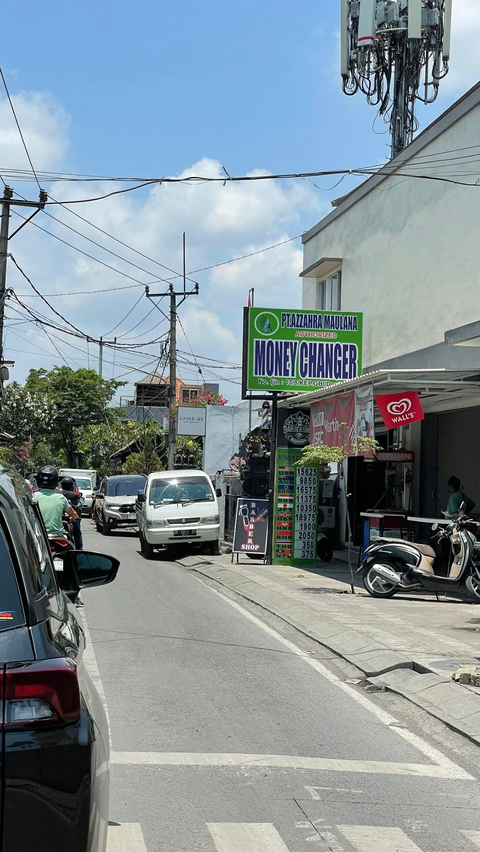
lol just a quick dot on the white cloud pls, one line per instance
(464, 70)
(220, 221)
(45, 127)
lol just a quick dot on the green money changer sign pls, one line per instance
(300, 350)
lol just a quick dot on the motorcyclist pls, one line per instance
(52, 503)
(71, 492)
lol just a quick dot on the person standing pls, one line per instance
(457, 497)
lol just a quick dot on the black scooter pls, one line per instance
(393, 565)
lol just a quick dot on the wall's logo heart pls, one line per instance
(400, 407)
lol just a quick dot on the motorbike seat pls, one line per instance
(427, 554)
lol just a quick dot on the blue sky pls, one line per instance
(153, 89)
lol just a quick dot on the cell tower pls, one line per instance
(395, 52)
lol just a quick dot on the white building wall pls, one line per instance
(410, 250)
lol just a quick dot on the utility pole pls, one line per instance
(100, 357)
(172, 391)
(172, 394)
(7, 202)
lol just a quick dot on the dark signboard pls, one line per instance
(251, 526)
(293, 428)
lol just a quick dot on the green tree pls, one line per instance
(25, 414)
(78, 398)
(142, 463)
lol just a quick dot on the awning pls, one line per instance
(439, 390)
(322, 268)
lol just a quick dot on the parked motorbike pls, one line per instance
(393, 565)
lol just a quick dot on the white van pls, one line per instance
(178, 506)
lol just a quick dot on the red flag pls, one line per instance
(249, 303)
(400, 408)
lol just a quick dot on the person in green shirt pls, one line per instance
(457, 497)
(52, 504)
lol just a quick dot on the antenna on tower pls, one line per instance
(395, 52)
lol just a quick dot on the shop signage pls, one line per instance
(395, 456)
(296, 510)
(191, 421)
(332, 421)
(299, 350)
(293, 428)
(339, 420)
(400, 409)
(251, 526)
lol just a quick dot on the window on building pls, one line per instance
(189, 394)
(329, 293)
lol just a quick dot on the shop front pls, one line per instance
(429, 434)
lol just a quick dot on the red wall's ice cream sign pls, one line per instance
(400, 408)
(300, 350)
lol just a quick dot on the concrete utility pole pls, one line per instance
(7, 202)
(172, 391)
(172, 394)
(100, 357)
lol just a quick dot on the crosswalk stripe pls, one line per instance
(126, 838)
(246, 837)
(474, 836)
(364, 838)
(282, 761)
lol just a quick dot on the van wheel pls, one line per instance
(146, 548)
(214, 548)
(105, 527)
(98, 525)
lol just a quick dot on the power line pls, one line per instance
(125, 317)
(19, 128)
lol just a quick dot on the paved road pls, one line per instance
(229, 736)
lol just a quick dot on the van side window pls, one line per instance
(11, 610)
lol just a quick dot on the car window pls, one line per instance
(191, 489)
(37, 550)
(126, 487)
(11, 610)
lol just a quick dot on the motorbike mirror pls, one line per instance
(434, 527)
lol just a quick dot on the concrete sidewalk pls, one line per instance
(409, 644)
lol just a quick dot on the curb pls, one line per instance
(387, 669)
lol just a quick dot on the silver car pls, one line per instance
(115, 501)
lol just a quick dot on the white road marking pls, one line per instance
(246, 837)
(282, 761)
(364, 838)
(91, 665)
(452, 770)
(126, 838)
(317, 797)
(474, 836)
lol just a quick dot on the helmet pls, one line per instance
(68, 483)
(47, 477)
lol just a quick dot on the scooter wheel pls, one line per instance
(473, 585)
(376, 585)
(324, 550)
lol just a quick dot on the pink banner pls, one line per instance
(332, 421)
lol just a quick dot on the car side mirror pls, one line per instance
(142, 498)
(85, 569)
(218, 492)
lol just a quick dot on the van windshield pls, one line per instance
(86, 484)
(125, 487)
(185, 489)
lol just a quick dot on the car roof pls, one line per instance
(178, 474)
(120, 476)
(12, 485)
